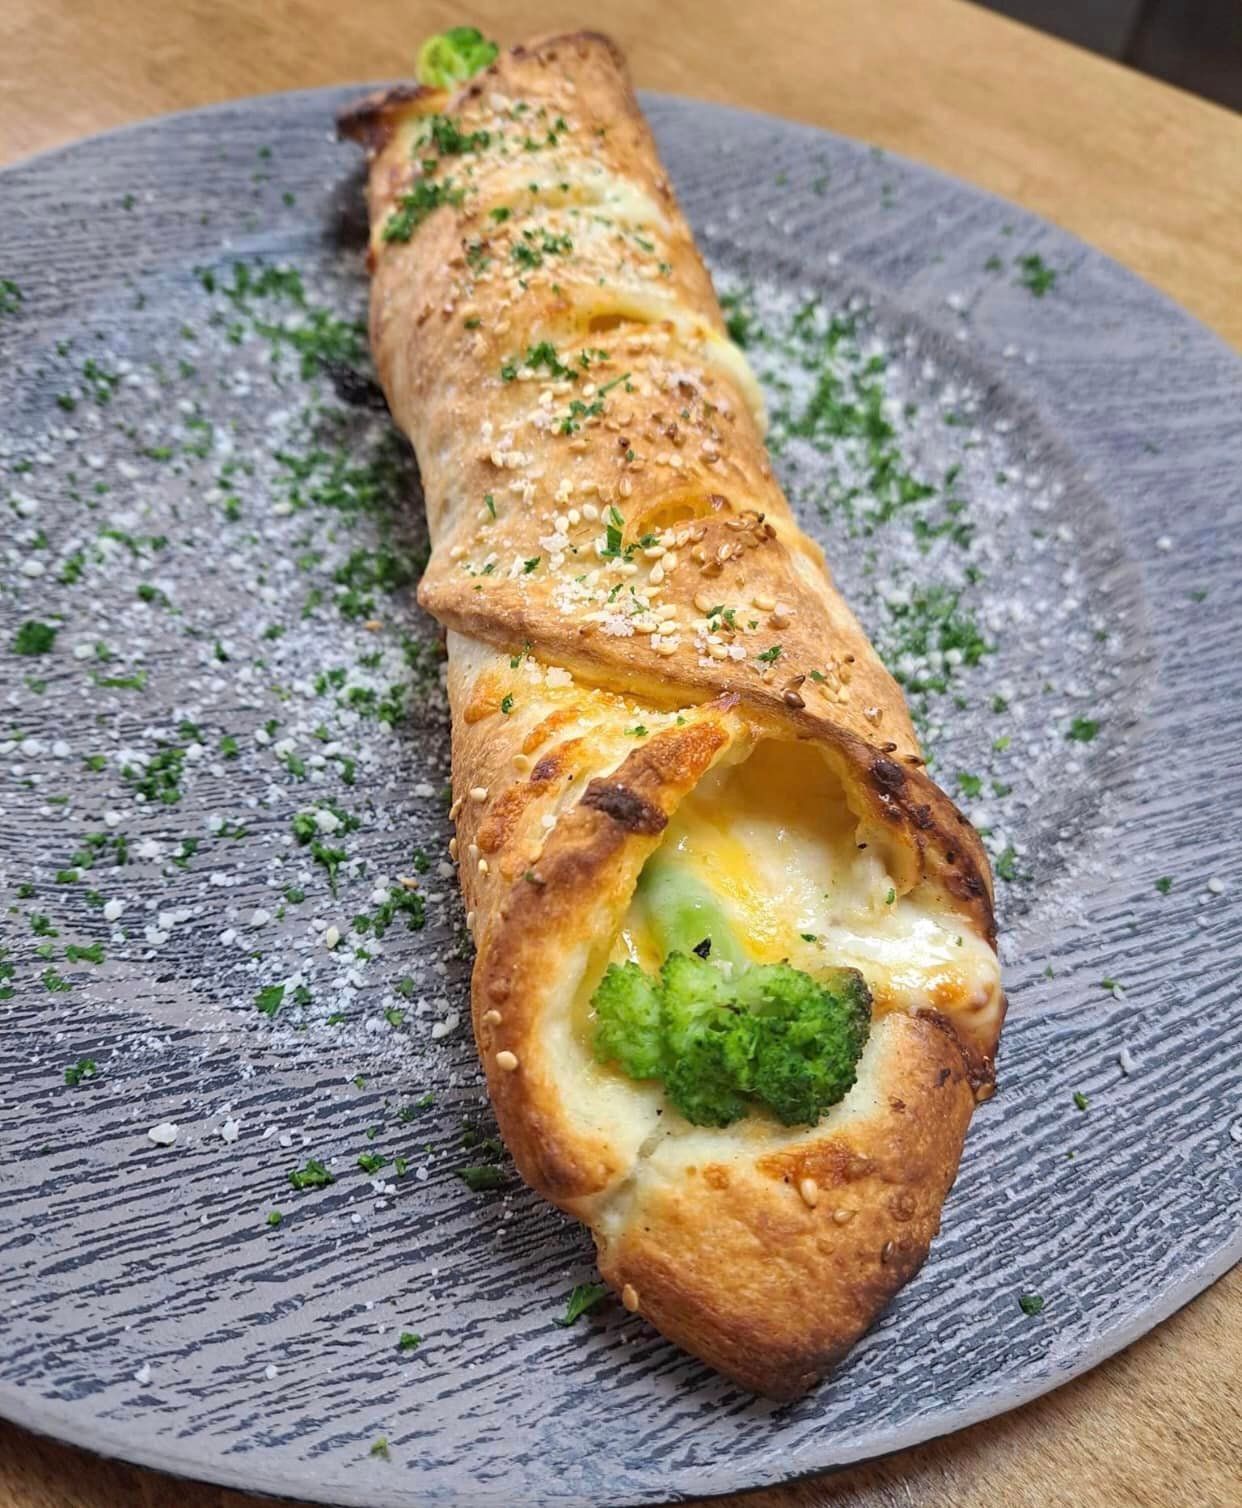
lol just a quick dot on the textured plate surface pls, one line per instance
(224, 734)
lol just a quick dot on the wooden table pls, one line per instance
(1150, 175)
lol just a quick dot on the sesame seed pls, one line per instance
(492, 1018)
(764, 603)
(482, 866)
(886, 1252)
(478, 793)
(666, 647)
(331, 937)
(657, 574)
(522, 763)
(809, 1190)
(506, 1060)
(629, 1297)
(453, 849)
(1216, 886)
(842, 1217)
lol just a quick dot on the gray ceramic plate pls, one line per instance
(1025, 467)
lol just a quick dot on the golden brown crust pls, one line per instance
(612, 557)
(794, 1274)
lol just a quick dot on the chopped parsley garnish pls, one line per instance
(380, 1448)
(84, 1068)
(506, 705)
(34, 638)
(542, 355)
(969, 785)
(274, 1218)
(443, 132)
(1164, 884)
(422, 199)
(372, 1162)
(581, 1301)
(269, 999)
(1080, 1100)
(400, 902)
(1036, 275)
(771, 655)
(1030, 1303)
(1082, 730)
(481, 1177)
(409, 1341)
(313, 1176)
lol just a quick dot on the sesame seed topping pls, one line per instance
(629, 1297)
(506, 1060)
(809, 1190)
(478, 793)
(492, 1018)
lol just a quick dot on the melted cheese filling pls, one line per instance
(774, 842)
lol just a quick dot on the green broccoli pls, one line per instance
(452, 56)
(768, 1034)
(810, 1036)
(683, 913)
(627, 1004)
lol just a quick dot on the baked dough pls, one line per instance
(615, 566)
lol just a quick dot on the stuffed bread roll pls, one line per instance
(736, 991)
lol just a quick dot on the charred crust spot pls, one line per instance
(888, 777)
(370, 121)
(922, 817)
(548, 768)
(979, 1071)
(625, 807)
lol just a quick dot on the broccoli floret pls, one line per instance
(709, 1043)
(628, 1030)
(811, 1035)
(452, 56)
(683, 913)
(769, 1033)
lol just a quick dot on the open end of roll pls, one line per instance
(766, 887)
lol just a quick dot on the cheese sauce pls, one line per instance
(774, 842)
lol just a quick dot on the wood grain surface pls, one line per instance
(1151, 176)
(1148, 174)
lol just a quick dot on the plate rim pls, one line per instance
(108, 1439)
